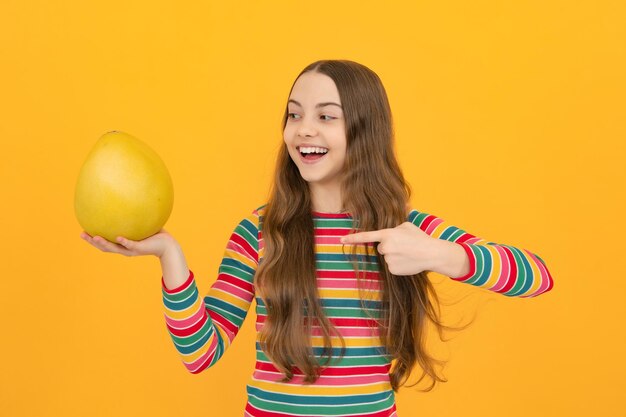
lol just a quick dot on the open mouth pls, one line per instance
(311, 153)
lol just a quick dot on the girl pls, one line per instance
(335, 260)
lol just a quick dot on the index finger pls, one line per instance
(364, 237)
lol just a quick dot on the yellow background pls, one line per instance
(510, 124)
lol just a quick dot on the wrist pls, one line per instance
(170, 249)
(450, 259)
(438, 257)
(174, 266)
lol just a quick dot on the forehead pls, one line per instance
(313, 87)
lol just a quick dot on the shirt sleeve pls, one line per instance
(497, 267)
(203, 329)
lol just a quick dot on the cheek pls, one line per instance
(291, 151)
(288, 135)
(344, 154)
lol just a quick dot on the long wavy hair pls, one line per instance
(376, 195)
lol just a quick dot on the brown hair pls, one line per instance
(376, 195)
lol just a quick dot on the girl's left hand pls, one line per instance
(407, 249)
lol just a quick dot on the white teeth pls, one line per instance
(311, 149)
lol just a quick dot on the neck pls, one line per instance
(326, 198)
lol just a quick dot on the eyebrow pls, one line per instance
(318, 105)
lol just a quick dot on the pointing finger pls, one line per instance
(364, 237)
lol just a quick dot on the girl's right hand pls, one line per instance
(156, 244)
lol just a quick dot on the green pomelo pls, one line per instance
(123, 189)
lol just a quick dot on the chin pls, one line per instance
(309, 178)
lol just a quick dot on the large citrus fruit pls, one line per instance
(123, 189)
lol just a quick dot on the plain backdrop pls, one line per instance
(509, 119)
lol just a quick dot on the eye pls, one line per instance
(293, 116)
(327, 117)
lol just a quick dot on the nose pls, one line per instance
(306, 128)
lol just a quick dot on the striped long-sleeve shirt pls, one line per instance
(357, 384)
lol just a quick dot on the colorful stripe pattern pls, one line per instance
(358, 383)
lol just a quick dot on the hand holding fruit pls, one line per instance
(157, 244)
(124, 194)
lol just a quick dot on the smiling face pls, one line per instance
(315, 132)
